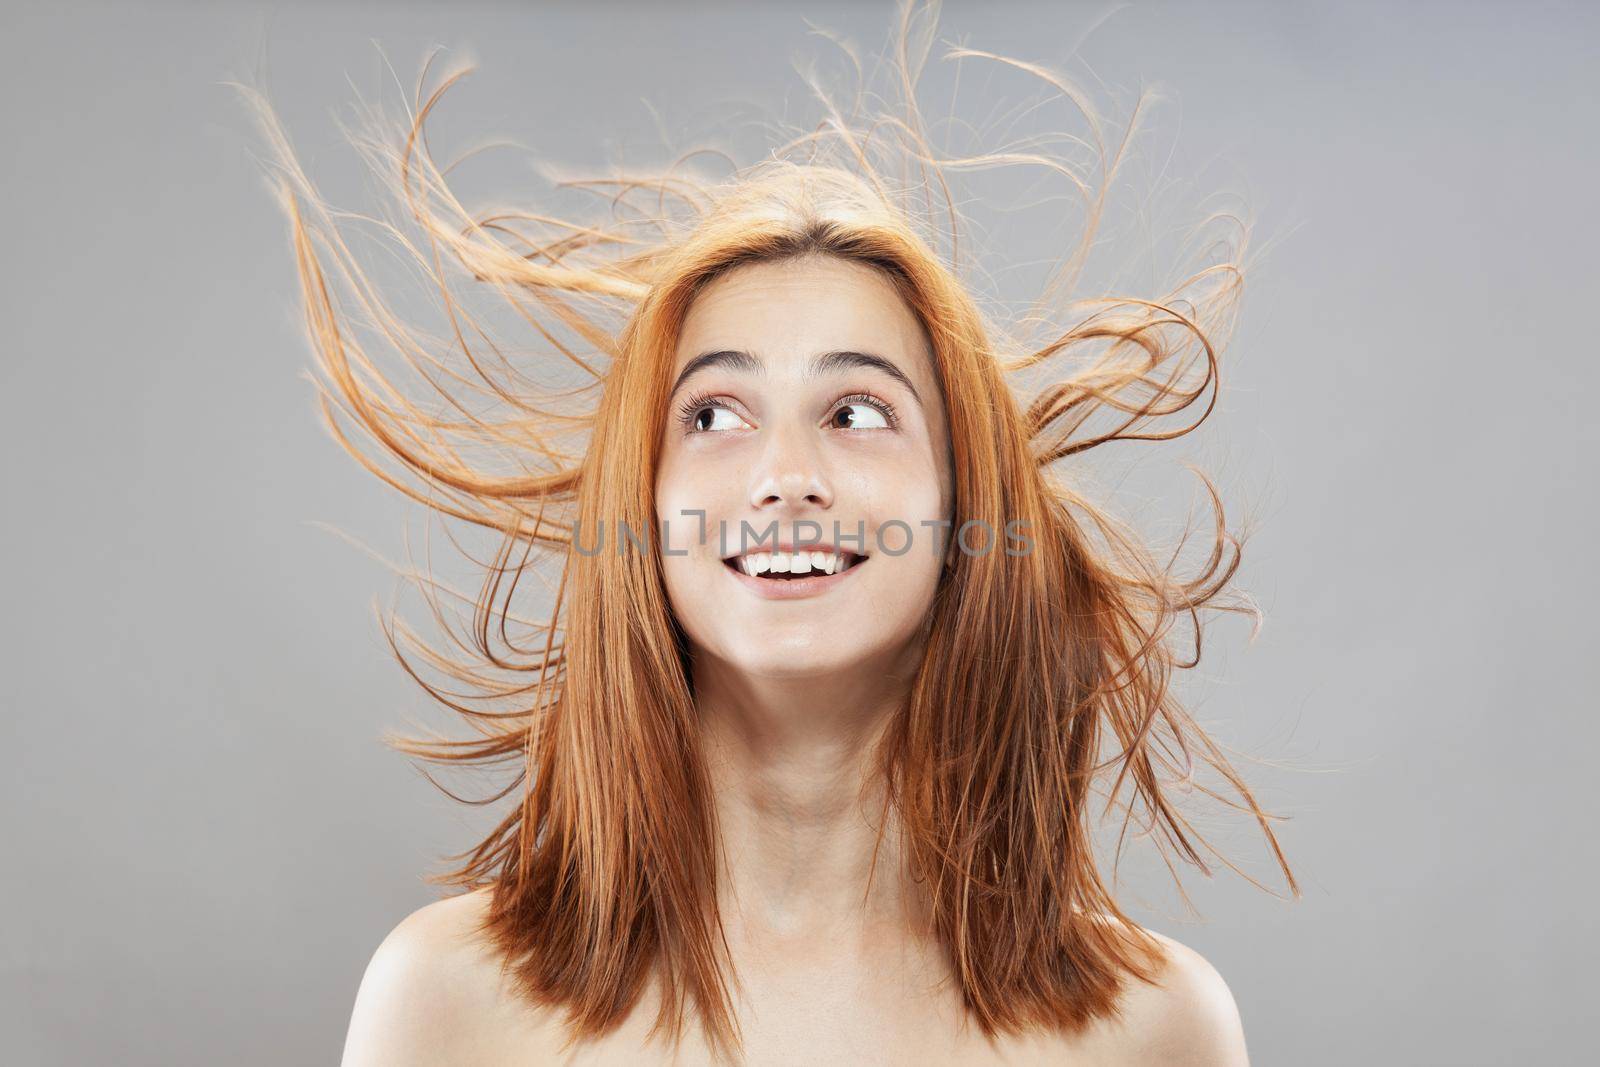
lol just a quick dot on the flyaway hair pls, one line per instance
(1044, 695)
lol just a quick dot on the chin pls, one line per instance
(797, 659)
(824, 653)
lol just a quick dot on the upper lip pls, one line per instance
(790, 548)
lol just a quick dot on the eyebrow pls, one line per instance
(824, 363)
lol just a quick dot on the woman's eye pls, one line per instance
(711, 418)
(859, 416)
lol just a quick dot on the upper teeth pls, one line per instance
(791, 562)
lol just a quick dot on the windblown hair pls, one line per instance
(1046, 676)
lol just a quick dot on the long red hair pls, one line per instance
(1046, 675)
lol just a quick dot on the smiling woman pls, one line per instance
(773, 456)
(816, 763)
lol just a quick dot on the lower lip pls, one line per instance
(792, 588)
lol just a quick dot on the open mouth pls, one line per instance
(779, 565)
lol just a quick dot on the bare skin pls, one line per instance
(432, 995)
(791, 691)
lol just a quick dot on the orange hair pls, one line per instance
(1045, 676)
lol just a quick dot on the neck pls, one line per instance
(799, 802)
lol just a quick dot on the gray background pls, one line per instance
(204, 838)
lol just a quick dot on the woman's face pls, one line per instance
(805, 410)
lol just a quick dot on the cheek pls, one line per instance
(684, 555)
(912, 494)
(680, 491)
(690, 498)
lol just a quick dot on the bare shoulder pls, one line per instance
(435, 992)
(1186, 1018)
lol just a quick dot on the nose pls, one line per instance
(789, 475)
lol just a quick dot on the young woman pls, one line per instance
(804, 763)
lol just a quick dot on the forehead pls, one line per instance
(788, 311)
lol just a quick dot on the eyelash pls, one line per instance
(700, 401)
